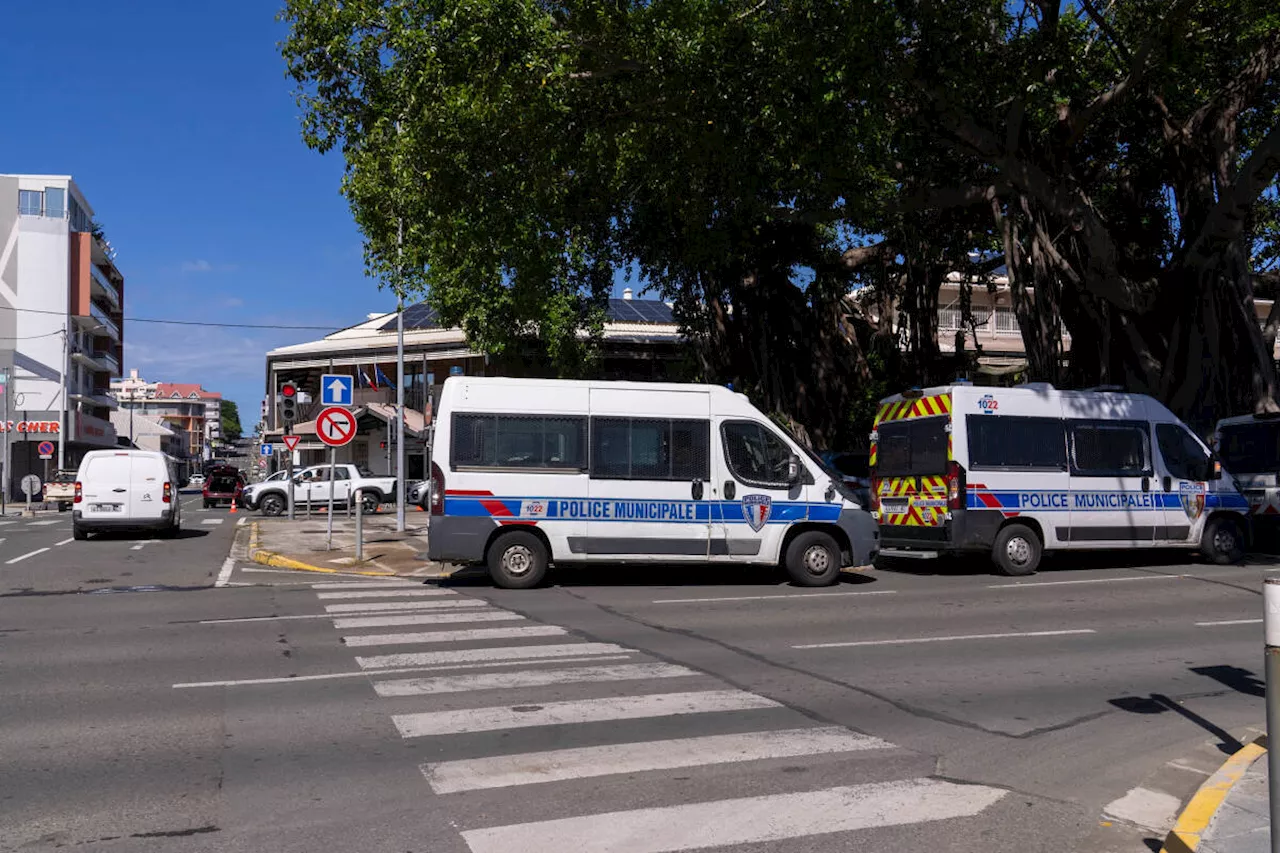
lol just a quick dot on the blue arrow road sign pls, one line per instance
(265, 450)
(335, 389)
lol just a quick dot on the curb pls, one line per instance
(1200, 809)
(271, 558)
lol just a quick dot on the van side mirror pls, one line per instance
(793, 470)
(1215, 469)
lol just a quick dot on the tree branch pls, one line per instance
(859, 256)
(1101, 22)
(1227, 219)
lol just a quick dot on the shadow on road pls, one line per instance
(135, 535)
(640, 575)
(1158, 703)
(1234, 677)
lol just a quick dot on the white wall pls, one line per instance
(43, 258)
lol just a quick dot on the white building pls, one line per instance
(61, 323)
(197, 413)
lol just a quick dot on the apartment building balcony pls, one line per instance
(103, 288)
(93, 396)
(96, 317)
(97, 360)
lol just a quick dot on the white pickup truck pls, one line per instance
(312, 486)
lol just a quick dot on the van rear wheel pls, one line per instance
(1017, 551)
(79, 533)
(517, 560)
(1222, 541)
(813, 559)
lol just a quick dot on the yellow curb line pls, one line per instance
(270, 558)
(1200, 809)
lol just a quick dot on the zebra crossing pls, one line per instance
(587, 745)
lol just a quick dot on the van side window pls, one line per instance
(756, 456)
(1109, 449)
(650, 449)
(1003, 441)
(519, 441)
(1183, 456)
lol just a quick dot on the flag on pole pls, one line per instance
(382, 378)
(365, 382)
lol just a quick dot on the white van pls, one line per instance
(531, 471)
(1249, 447)
(1015, 472)
(126, 489)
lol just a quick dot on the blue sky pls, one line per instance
(179, 126)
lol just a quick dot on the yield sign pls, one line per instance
(291, 441)
(335, 426)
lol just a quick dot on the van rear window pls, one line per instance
(910, 447)
(1250, 448)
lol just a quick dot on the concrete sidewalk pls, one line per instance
(1242, 823)
(300, 545)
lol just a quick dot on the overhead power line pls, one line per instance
(190, 322)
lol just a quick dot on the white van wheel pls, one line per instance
(813, 559)
(1016, 550)
(517, 560)
(1222, 541)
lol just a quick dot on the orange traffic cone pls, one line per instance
(233, 506)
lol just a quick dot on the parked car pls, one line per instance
(61, 490)
(419, 493)
(312, 486)
(224, 485)
(126, 489)
(249, 496)
(196, 480)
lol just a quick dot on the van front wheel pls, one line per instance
(517, 560)
(1016, 551)
(813, 559)
(1222, 542)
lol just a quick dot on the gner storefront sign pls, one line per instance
(30, 426)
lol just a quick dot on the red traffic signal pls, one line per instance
(288, 390)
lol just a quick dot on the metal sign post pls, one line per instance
(333, 484)
(289, 467)
(359, 524)
(1271, 635)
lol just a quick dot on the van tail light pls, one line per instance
(168, 492)
(955, 486)
(79, 493)
(875, 494)
(437, 490)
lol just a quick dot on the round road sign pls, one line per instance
(336, 426)
(45, 449)
(31, 485)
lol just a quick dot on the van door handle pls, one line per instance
(730, 489)
(697, 490)
(118, 491)
(1146, 484)
(1168, 483)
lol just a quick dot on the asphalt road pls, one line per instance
(927, 706)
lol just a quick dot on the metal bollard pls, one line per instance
(1271, 634)
(359, 524)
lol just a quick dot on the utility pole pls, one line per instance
(62, 406)
(400, 490)
(5, 391)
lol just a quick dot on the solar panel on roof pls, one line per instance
(417, 316)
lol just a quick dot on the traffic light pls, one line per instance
(289, 402)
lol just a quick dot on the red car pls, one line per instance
(222, 484)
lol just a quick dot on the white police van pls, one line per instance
(1019, 471)
(531, 471)
(1249, 447)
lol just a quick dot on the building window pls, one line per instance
(1007, 322)
(948, 319)
(650, 449)
(30, 202)
(55, 202)
(79, 219)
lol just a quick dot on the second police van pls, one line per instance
(1016, 472)
(1249, 446)
(529, 471)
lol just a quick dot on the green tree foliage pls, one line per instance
(798, 178)
(231, 430)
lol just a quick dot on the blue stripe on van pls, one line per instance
(632, 510)
(1091, 500)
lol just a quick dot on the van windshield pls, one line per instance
(912, 447)
(1250, 448)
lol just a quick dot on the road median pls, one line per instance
(1200, 810)
(300, 546)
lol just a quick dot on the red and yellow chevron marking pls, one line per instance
(921, 407)
(913, 489)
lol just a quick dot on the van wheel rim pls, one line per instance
(517, 561)
(1018, 551)
(1224, 540)
(816, 560)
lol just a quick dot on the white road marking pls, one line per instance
(742, 821)
(1146, 808)
(465, 635)
(371, 606)
(56, 544)
(1229, 622)
(366, 584)
(910, 640)
(242, 522)
(245, 682)
(1, 541)
(25, 556)
(2, 523)
(427, 619)
(228, 565)
(1086, 580)
(212, 520)
(795, 597)
(529, 678)
(507, 653)
(136, 548)
(42, 523)
(583, 711)
(386, 593)
(504, 771)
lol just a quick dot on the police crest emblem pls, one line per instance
(757, 509)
